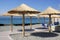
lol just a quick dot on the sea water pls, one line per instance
(18, 20)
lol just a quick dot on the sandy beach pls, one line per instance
(42, 36)
(35, 34)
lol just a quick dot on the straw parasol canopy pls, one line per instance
(8, 14)
(24, 9)
(53, 16)
(50, 11)
(46, 16)
(11, 19)
(43, 15)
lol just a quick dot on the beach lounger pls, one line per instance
(44, 25)
(56, 23)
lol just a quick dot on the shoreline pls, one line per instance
(18, 24)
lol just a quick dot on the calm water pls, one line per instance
(18, 20)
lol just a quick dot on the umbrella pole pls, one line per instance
(23, 24)
(11, 24)
(30, 22)
(49, 23)
(44, 22)
(52, 20)
(39, 20)
(57, 20)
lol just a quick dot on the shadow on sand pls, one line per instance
(57, 31)
(41, 28)
(44, 34)
(27, 30)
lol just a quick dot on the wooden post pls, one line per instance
(44, 21)
(11, 28)
(30, 22)
(23, 25)
(57, 19)
(38, 19)
(52, 20)
(50, 23)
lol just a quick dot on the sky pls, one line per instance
(41, 5)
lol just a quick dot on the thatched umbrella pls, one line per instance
(11, 15)
(42, 16)
(8, 14)
(50, 11)
(31, 15)
(53, 17)
(23, 9)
